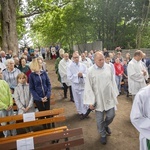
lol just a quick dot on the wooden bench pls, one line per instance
(42, 139)
(53, 116)
(67, 139)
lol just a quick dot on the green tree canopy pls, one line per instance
(122, 23)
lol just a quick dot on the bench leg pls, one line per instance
(50, 125)
(66, 139)
(53, 125)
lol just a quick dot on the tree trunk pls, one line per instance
(138, 38)
(8, 22)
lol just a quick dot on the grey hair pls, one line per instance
(9, 61)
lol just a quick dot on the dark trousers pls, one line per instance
(43, 55)
(66, 89)
(48, 56)
(42, 107)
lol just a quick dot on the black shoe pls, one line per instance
(103, 140)
(86, 115)
(72, 100)
(81, 116)
(108, 130)
(127, 94)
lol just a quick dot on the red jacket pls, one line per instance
(118, 69)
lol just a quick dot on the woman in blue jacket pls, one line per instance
(40, 86)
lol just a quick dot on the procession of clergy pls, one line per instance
(94, 80)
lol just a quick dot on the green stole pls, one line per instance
(148, 144)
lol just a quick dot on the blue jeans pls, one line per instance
(4, 113)
(118, 81)
(104, 122)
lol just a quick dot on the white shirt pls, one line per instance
(3, 60)
(53, 50)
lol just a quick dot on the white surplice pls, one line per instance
(72, 74)
(77, 84)
(100, 87)
(87, 61)
(136, 79)
(140, 115)
(62, 68)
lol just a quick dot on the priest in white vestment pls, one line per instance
(85, 60)
(76, 73)
(140, 116)
(137, 74)
(108, 61)
(101, 89)
(62, 68)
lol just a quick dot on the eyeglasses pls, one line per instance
(75, 57)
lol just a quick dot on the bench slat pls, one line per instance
(61, 135)
(32, 134)
(32, 123)
(63, 145)
(37, 115)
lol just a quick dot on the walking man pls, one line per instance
(76, 73)
(62, 68)
(137, 73)
(101, 89)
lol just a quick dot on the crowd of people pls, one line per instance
(51, 52)
(94, 80)
(24, 81)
